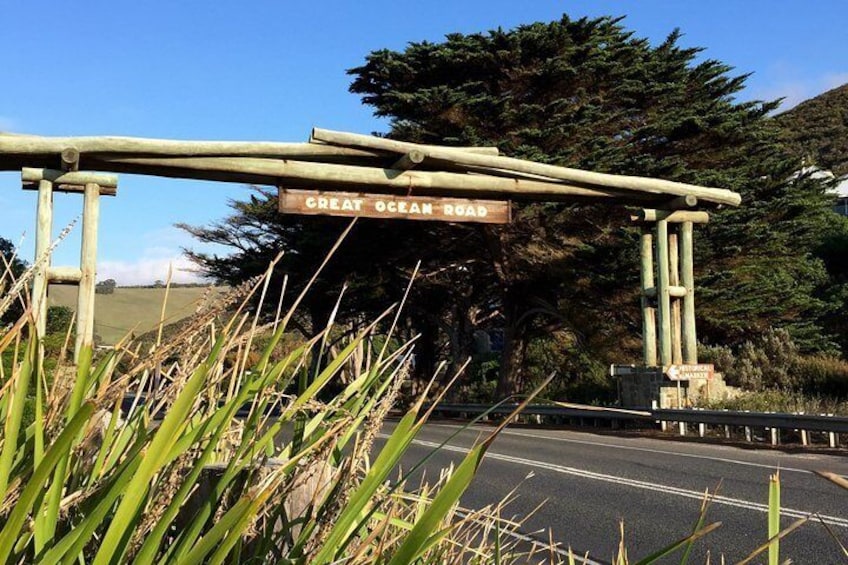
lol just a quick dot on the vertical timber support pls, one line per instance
(674, 280)
(43, 235)
(663, 297)
(88, 266)
(690, 340)
(91, 186)
(649, 320)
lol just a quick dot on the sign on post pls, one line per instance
(688, 372)
(351, 204)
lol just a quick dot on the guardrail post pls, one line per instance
(805, 440)
(831, 439)
(726, 432)
(775, 436)
(702, 429)
(748, 435)
(682, 427)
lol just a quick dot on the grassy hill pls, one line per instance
(817, 130)
(134, 310)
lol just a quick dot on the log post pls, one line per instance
(689, 337)
(674, 281)
(88, 268)
(649, 322)
(43, 234)
(663, 298)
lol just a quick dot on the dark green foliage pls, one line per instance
(588, 94)
(581, 93)
(817, 130)
(105, 287)
(772, 361)
(11, 268)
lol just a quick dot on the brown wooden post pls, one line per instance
(674, 281)
(88, 266)
(663, 297)
(649, 321)
(690, 340)
(43, 235)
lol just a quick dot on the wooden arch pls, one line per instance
(366, 167)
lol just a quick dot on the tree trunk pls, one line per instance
(426, 348)
(510, 380)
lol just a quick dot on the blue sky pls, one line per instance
(263, 70)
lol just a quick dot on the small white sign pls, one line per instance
(688, 372)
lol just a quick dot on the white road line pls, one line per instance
(645, 449)
(667, 489)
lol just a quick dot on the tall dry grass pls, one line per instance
(221, 445)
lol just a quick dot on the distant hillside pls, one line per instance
(134, 310)
(817, 130)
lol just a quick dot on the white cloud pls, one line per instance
(163, 250)
(793, 90)
(149, 269)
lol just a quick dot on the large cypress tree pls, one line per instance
(588, 94)
(583, 93)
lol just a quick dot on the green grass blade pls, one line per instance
(671, 548)
(386, 460)
(68, 548)
(35, 484)
(12, 425)
(779, 536)
(114, 541)
(422, 534)
(699, 523)
(774, 519)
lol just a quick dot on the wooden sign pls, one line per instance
(351, 204)
(688, 372)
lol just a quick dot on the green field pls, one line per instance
(135, 310)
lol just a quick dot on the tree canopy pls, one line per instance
(816, 130)
(582, 93)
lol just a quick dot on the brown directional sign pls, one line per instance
(688, 372)
(351, 204)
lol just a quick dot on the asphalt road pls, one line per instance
(591, 482)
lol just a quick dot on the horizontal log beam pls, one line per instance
(588, 178)
(478, 149)
(72, 188)
(673, 291)
(64, 275)
(672, 216)
(29, 175)
(299, 174)
(34, 145)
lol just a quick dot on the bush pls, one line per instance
(822, 374)
(773, 361)
(580, 376)
(105, 287)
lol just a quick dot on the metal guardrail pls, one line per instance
(776, 420)
(772, 421)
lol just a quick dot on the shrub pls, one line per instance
(822, 375)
